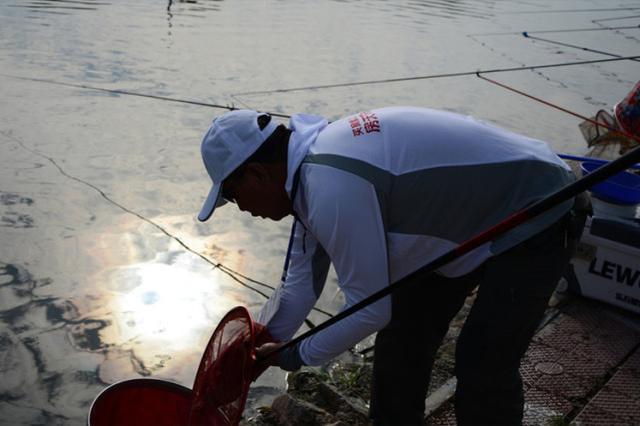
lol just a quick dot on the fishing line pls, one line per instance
(220, 266)
(217, 265)
(434, 76)
(559, 43)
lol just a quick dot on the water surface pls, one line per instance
(105, 274)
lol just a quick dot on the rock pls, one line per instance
(312, 387)
(265, 417)
(352, 379)
(291, 411)
(311, 400)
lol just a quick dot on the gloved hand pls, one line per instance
(262, 353)
(287, 359)
(262, 338)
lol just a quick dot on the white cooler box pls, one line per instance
(607, 264)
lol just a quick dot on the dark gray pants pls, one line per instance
(514, 289)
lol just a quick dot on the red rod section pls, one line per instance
(575, 114)
(510, 222)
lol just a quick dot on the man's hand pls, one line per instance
(262, 354)
(288, 359)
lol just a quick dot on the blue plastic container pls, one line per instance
(623, 188)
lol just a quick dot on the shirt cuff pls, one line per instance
(289, 359)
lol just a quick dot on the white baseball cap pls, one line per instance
(230, 141)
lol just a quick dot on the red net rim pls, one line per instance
(239, 312)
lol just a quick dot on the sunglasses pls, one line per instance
(227, 195)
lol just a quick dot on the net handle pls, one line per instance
(533, 210)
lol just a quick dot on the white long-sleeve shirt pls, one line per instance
(381, 193)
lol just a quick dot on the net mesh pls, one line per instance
(227, 368)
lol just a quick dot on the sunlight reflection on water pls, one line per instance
(168, 304)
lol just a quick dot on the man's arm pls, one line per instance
(343, 212)
(302, 282)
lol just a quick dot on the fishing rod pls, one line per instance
(432, 76)
(226, 107)
(559, 43)
(533, 210)
(528, 12)
(569, 191)
(326, 86)
(591, 160)
(565, 30)
(131, 93)
(576, 30)
(575, 114)
(618, 18)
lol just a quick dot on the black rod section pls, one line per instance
(573, 46)
(563, 194)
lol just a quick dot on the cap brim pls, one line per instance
(213, 200)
